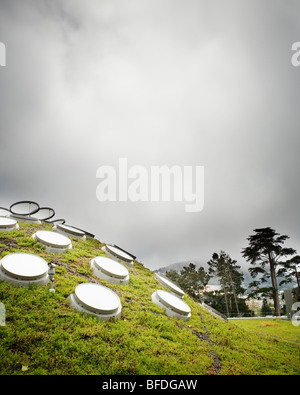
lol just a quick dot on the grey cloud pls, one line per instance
(160, 83)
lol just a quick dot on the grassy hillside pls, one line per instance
(43, 335)
(277, 328)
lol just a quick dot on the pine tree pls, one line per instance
(265, 249)
(291, 270)
(191, 281)
(265, 309)
(230, 278)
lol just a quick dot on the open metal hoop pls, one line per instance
(46, 218)
(35, 210)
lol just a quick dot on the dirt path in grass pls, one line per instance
(206, 337)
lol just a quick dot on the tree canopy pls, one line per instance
(222, 266)
(265, 250)
(191, 280)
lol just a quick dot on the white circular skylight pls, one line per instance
(54, 242)
(7, 224)
(173, 302)
(119, 253)
(24, 269)
(69, 230)
(173, 287)
(96, 299)
(110, 270)
(4, 212)
(26, 218)
(174, 306)
(115, 252)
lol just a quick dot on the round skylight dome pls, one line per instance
(97, 300)
(24, 269)
(54, 242)
(69, 231)
(8, 224)
(58, 221)
(173, 287)
(26, 218)
(118, 254)
(174, 306)
(4, 212)
(110, 270)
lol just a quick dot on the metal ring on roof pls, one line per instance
(47, 217)
(35, 210)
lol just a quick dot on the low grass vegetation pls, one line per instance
(276, 328)
(43, 335)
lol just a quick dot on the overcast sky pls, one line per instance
(159, 82)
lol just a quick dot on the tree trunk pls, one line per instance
(235, 299)
(234, 294)
(298, 278)
(275, 286)
(226, 301)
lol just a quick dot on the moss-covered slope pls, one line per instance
(43, 335)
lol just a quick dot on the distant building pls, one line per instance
(212, 288)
